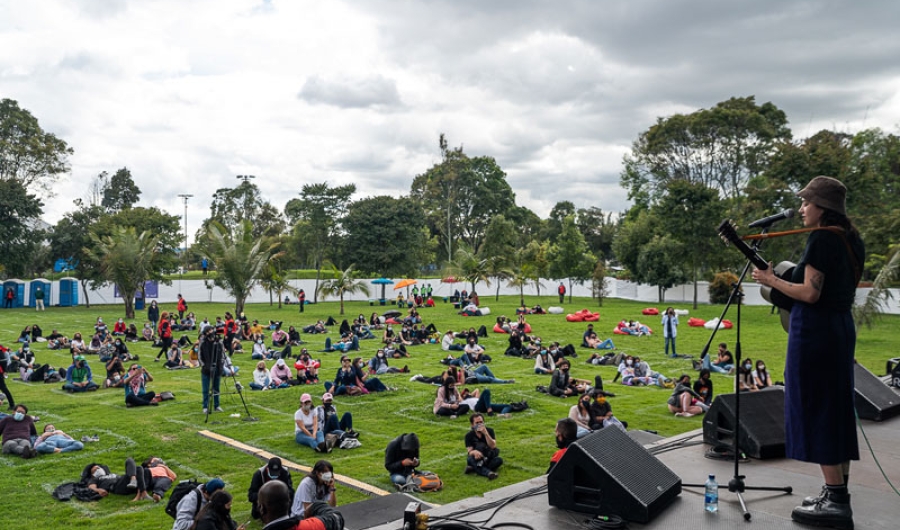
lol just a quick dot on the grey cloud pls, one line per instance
(369, 92)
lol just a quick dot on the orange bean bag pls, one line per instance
(575, 317)
(650, 311)
(498, 329)
(618, 331)
(727, 324)
(584, 315)
(695, 322)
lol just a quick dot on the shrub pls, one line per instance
(720, 287)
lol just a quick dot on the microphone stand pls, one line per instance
(218, 350)
(736, 485)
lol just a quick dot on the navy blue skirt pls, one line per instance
(819, 420)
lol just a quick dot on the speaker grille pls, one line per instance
(630, 464)
(874, 399)
(762, 422)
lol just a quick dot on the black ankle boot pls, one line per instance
(832, 510)
(809, 501)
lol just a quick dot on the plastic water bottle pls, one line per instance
(712, 495)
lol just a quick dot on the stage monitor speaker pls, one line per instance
(608, 473)
(762, 423)
(874, 399)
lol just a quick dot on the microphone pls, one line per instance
(766, 222)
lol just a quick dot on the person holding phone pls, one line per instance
(483, 455)
(317, 486)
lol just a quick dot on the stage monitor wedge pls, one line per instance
(608, 473)
(874, 399)
(762, 423)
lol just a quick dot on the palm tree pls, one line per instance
(467, 266)
(866, 313)
(240, 258)
(126, 260)
(341, 283)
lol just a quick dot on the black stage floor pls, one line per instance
(875, 505)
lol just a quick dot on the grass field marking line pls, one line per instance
(197, 474)
(271, 410)
(362, 487)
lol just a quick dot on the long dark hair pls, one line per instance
(833, 218)
(215, 509)
(320, 467)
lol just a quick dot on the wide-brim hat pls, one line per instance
(826, 192)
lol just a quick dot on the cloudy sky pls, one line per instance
(189, 94)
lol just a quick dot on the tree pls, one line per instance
(239, 257)
(722, 148)
(381, 238)
(274, 280)
(499, 244)
(120, 192)
(467, 266)
(28, 154)
(341, 283)
(19, 237)
(232, 206)
(537, 255)
(571, 258)
(461, 195)
(322, 209)
(599, 283)
(636, 231)
(690, 213)
(554, 224)
(125, 260)
(598, 229)
(70, 240)
(521, 272)
(660, 265)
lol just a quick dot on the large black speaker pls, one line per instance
(606, 472)
(874, 399)
(762, 423)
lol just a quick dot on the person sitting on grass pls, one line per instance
(57, 341)
(136, 394)
(348, 342)
(593, 342)
(601, 412)
(307, 430)
(79, 377)
(17, 431)
(328, 418)
(481, 445)
(280, 374)
(401, 458)
(724, 363)
(761, 377)
(131, 334)
(317, 486)
(684, 401)
(370, 383)
(260, 352)
(133, 481)
(175, 358)
(379, 365)
(561, 384)
(448, 401)
(77, 345)
(307, 368)
(273, 471)
(279, 337)
(580, 413)
(744, 381)
(216, 514)
(54, 441)
(261, 378)
(543, 363)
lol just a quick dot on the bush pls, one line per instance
(720, 287)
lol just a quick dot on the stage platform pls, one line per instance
(875, 505)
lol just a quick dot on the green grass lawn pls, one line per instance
(170, 430)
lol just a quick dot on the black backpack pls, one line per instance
(179, 492)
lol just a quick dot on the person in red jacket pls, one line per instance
(165, 334)
(562, 292)
(182, 307)
(231, 329)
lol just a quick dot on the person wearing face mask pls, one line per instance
(261, 378)
(346, 381)
(136, 394)
(483, 455)
(566, 435)
(259, 351)
(744, 381)
(273, 470)
(704, 387)
(280, 374)
(379, 365)
(761, 377)
(134, 481)
(328, 418)
(580, 413)
(318, 486)
(307, 430)
(79, 377)
(17, 431)
(54, 441)
(561, 384)
(175, 359)
(601, 411)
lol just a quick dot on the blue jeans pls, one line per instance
(484, 375)
(58, 442)
(335, 390)
(716, 368)
(303, 439)
(484, 404)
(373, 384)
(204, 384)
(462, 360)
(607, 345)
(672, 341)
(397, 478)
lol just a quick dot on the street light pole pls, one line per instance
(184, 197)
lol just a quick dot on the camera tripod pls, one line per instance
(215, 381)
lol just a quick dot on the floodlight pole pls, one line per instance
(184, 197)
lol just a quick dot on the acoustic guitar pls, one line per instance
(783, 270)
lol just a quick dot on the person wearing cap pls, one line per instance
(307, 430)
(79, 377)
(273, 470)
(820, 350)
(191, 504)
(328, 418)
(401, 457)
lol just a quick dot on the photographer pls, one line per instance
(211, 364)
(481, 446)
(136, 394)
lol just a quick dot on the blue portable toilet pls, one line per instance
(18, 289)
(45, 285)
(68, 292)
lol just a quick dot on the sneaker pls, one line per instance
(321, 448)
(132, 485)
(95, 438)
(86, 439)
(405, 369)
(453, 416)
(206, 411)
(351, 434)
(469, 470)
(156, 360)
(492, 475)
(219, 409)
(413, 378)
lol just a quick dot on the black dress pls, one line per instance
(819, 419)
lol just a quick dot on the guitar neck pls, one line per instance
(729, 234)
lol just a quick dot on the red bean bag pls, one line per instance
(575, 317)
(592, 317)
(527, 327)
(498, 329)
(618, 331)
(393, 321)
(727, 324)
(584, 315)
(650, 311)
(696, 322)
